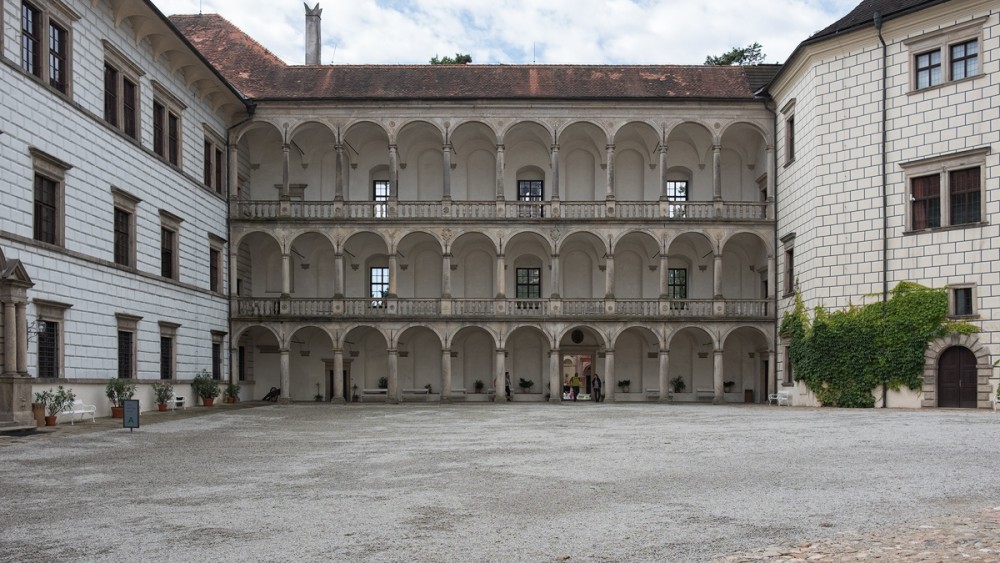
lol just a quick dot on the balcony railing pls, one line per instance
(328, 308)
(250, 210)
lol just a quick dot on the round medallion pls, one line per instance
(576, 336)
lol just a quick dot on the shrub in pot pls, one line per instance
(525, 385)
(205, 387)
(478, 385)
(162, 392)
(232, 392)
(118, 391)
(55, 402)
(678, 385)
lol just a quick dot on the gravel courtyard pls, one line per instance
(489, 482)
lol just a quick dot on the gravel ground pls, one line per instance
(492, 482)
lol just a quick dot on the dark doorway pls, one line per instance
(957, 378)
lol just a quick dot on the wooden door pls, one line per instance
(957, 378)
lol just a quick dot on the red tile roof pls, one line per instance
(260, 75)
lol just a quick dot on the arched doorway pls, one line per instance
(957, 378)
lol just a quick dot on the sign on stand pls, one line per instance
(131, 418)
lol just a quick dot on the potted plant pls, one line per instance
(162, 392)
(55, 402)
(525, 385)
(119, 391)
(354, 393)
(677, 384)
(232, 392)
(478, 386)
(728, 386)
(383, 383)
(623, 384)
(205, 387)
(428, 388)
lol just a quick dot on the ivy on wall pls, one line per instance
(843, 355)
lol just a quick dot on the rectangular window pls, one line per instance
(215, 270)
(48, 350)
(789, 369)
(925, 200)
(216, 360)
(125, 359)
(677, 190)
(110, 94)
(212, 167)
(159, 113)
(218, 170)
(166, 357)
(378, 285)
(168, 242)
(380, 192)
(677, 283)
(528, 283)
(242, 363)
(46, 209)
(929, 69)
(173, 139)
(123, 237)
(130, 108)
(964, 59)
(789, 271)
(963, 304)
(530, 191)
(790, 139)
(964, 196)
(57, 57)
(31, 39)
(207, 172)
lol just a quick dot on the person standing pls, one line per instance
(598, 387)
(574, 384)
(506, 385)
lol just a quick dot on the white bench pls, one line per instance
(424, 391)
(175, 402)
(373, 392)
(995, 400)
(79, 408)
(780, 398)
(704, 392)
(655, 394)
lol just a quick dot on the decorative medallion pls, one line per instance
(576, 336)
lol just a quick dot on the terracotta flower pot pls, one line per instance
(117, 412)
(230, 400)
(162, 407)
(207, 402)
(50, 420)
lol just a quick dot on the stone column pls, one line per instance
(338, 275)
(772, 374)
(498, 374)
(555, 172)
(717, 172)
(446, 276)
(717, 379)
(10, 347)
(717, 274)
(500, 167)
(771, 173)
(556, 279)
(284, 170)
(610, 149)
(338, 193)
(338, 375)
(663, 172)
(609, 277)
(664, 375)
(610, 379)
(393, 172)
(555, 377)
(772, 277)
(286, 274)
(234, 262)
(234, 363)
(286, 378)
(20, 317)
(393, 274)
(501, 278)
(446, 375)
(393, 395)
(664, 275)
(446, 189)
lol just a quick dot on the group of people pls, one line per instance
(571, 387)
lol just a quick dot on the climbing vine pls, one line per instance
(842, 356)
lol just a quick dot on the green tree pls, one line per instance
(749, 55)
(458, 59)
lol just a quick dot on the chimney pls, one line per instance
(312, 34)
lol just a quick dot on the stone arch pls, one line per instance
(933, 355)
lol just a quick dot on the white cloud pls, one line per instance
(515, 31)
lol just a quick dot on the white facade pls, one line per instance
(81, 290)
(830, 191)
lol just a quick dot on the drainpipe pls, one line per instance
(251, 107)
(885, 195)
(774, 205)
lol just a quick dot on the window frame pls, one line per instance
(789, 282)
(944, 166)
(954, 300)
(168, 336)
(213, 163)
(218, 357)
(54, 315)
(50, 15)
(168, 126)
(789, 131)
(672, 285)
(523, 289)
(128, 324)
(126, 203)
(942, 41)
(49, 168)
(381, 190)
(216, 277)
(126, 72)
(170, 229)
(378, 300)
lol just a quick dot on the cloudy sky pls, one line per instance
(525, 31)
